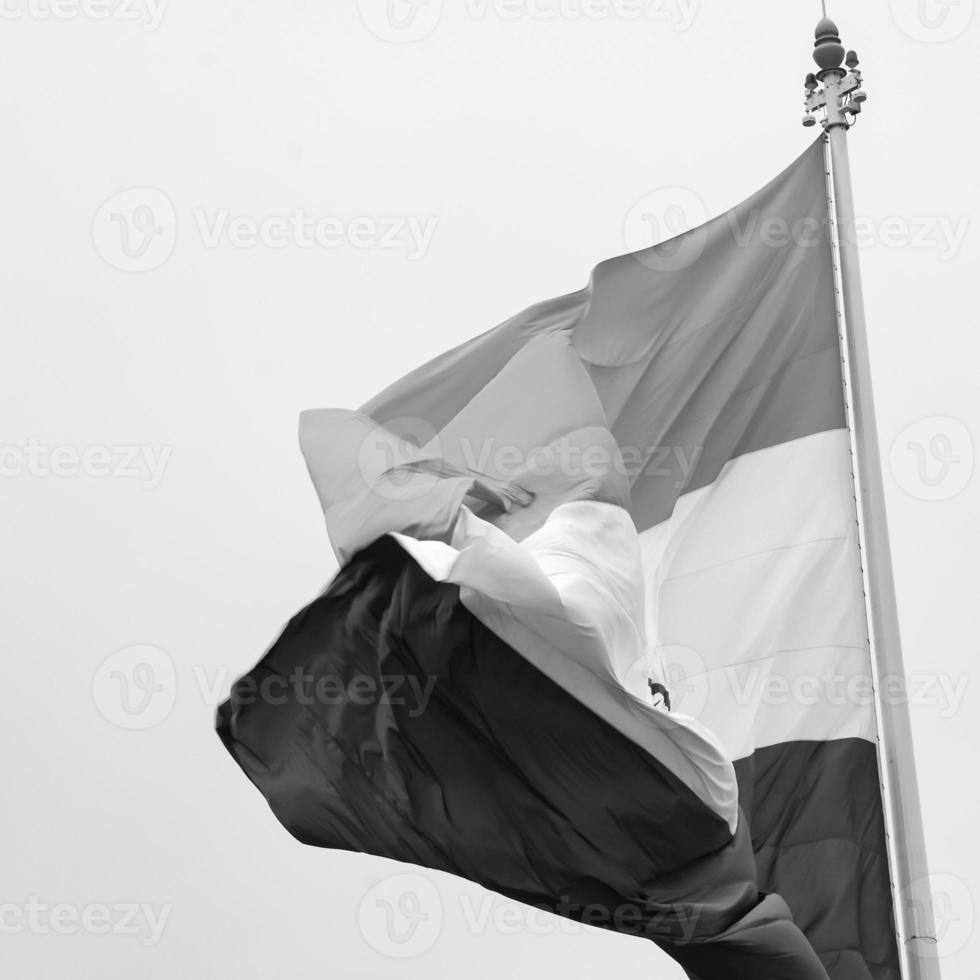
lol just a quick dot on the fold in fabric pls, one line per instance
(387, 719)
(570, 599)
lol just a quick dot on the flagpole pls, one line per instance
(841, 97)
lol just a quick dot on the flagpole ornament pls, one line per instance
(834, 90)
(834, 96)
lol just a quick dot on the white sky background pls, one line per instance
(528, 140)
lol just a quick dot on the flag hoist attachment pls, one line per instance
(834, 96)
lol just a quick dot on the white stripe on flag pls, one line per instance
(755, 606)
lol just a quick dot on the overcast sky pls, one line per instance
(460, 163)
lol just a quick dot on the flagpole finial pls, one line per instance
(828, 52)
(833, 96)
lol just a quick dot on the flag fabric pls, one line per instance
(598, 641)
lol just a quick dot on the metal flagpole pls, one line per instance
(837, 91)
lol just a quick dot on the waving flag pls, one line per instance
(599, 641)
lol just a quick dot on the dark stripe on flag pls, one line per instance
(816, 818)
(498, 775)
